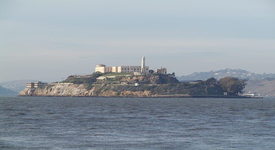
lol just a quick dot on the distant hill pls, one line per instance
(239, 73)
(264, 87)
(7, 92)
(16, 86)
(263, 84)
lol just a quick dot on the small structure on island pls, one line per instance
(38, 84)
(162, 71)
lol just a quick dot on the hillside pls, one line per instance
(263, 84)
(265, 87)
(238, 73)
(126, 85)
(16, 85)
(7, 92)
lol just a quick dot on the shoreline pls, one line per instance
(160, 96)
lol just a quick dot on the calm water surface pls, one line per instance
(33, 123)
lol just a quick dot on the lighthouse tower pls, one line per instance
(143, 65)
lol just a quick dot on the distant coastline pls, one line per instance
(136, 81)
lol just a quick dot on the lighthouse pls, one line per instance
(143, 65)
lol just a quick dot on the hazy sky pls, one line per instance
(50, 39)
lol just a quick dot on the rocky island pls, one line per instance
(135, 81)
(127, 85)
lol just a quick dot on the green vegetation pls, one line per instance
(233, 86)
(158, 84)
(88, 79)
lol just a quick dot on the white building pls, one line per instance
(162, 71)
(123, 69)
(35, 84)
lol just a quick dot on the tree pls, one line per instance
(97, 74)
(151, 71)
(211, 82)
(213, 87)
(233, 86)
(83, 79)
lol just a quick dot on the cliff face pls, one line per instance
(113, 90)
(57, 89)
(111, 85)
(130, 86)
(70, 89)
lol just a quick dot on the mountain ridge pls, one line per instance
(7, 92)
(262, 84)
(15, 85)
(218, 74)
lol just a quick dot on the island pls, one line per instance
(135, 81)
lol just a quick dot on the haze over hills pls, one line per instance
(265, 87)
(238, 73)
(263, 84)
(16, 85)
(7, 92)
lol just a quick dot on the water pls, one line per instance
(33, 123)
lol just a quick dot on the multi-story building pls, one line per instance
(35, 84)
(123, 69)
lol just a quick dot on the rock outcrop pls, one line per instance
(70, 89)
(57, 89)
(154, 85)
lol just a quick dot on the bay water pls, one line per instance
(89, 123)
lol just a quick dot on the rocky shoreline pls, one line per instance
(154, 85)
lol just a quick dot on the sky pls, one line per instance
(49, 40)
